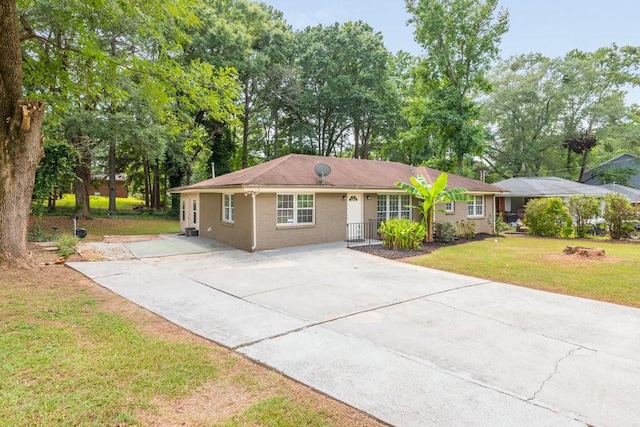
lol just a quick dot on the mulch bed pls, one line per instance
(426, 247)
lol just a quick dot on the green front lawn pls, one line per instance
(68, 201)
(539, 263)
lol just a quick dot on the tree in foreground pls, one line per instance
(20, 141)
(432, 195)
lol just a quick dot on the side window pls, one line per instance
(227, 207)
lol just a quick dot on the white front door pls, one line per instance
(355, 217)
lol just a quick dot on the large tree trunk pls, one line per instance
(82, 186)
(155, 200)
(147, 183)
(245, 127)
(112, 177)
(20, 143)
(20, 153)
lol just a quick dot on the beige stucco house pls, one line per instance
(287, 202)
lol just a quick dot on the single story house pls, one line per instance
(100, 185)
(301, 199)
(626, 161)
(521, 190)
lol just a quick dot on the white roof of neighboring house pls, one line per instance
(549, 187)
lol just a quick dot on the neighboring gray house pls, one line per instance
(521, 190)
(626, 160)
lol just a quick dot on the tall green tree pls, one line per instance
(545, 116)
(345, 88)
(461, 39)
(593, 90)
(521, 116)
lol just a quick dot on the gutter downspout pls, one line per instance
(494, 214)
(255, 220)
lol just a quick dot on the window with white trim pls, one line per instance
(227, 207)
(184, 210)
(195, 211)
(475, 206)
(295, 209)
(394, 206)
(449, 207)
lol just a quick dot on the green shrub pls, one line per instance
(582, 209)
(619, 215)
(548, 217)
(502, 226)
(36, 233)
(466, 230)
(444, 231)
(402, 234)
(66, 245)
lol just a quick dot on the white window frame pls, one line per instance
(184, 210)
(403, 200)
(228, 208)
(475, 207)
(194, 206)
(298, 208)
(449, 207)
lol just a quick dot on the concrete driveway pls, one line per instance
(409, 345)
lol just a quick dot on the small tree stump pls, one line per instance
(584, 252)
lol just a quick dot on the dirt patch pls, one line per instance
(241, 382)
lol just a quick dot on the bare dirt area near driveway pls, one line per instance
(239, 385)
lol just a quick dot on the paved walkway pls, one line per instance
(409, 345)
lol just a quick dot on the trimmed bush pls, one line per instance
(619, 215)
(548, 217)
(466, 230)
(402, 234)
(582, 209)
(444, 231)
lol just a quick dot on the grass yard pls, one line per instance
(68, 202)
(540, 264)
(99, 227)
(74, 353)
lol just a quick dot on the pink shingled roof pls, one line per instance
(297, 170)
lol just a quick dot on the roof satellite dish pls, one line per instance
(322, 170)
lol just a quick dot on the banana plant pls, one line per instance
(431, 195)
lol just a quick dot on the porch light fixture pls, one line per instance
(368, 197)
(344, 197)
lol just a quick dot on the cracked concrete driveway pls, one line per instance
(409, 345)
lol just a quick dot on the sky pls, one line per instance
(550, 27)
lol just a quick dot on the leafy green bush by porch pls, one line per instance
(619, 215)
(548, 217)
(402, 234)
(583, 208)
(444, 231)
(466, 230)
